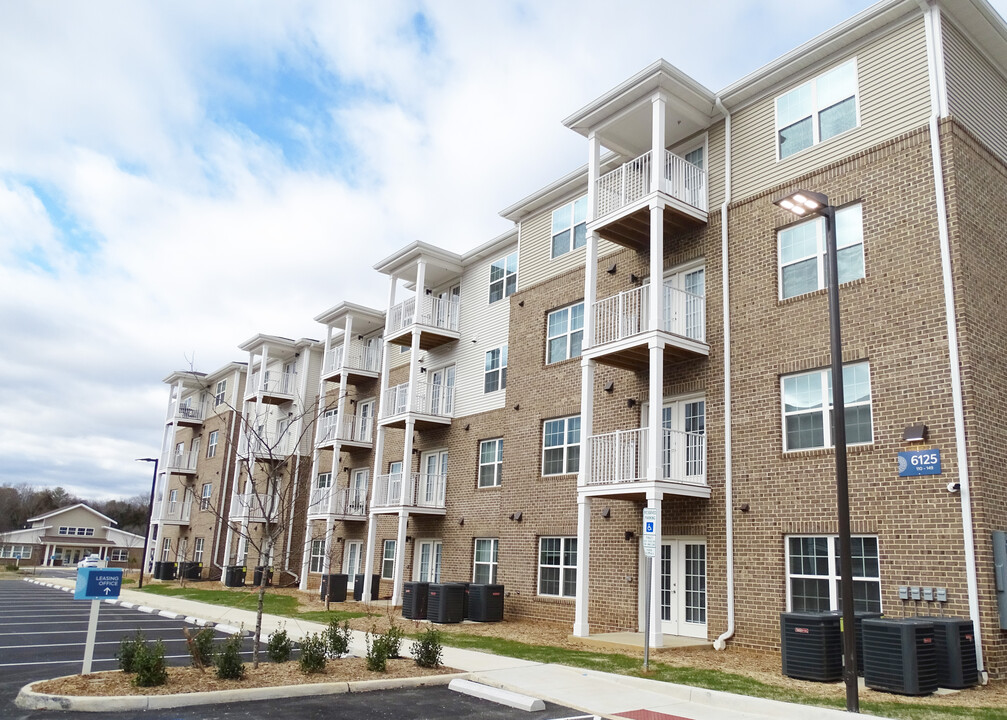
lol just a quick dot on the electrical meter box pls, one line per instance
(1000, 572)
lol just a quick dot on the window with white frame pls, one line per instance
(220, 392)
(317, 555)
(803, 256)
(557, 566)
(819, 109)
(206, 496)
(569, 227)
(503, 277)
(388, 560)
(813, 574)
(495, 377)
(490, 462)
(807, 407)
(16, 551)
(561, 446)
(484, 563)
(119, 555)
(197, 550)
(166, 550)
(565, 333)
(211, 444)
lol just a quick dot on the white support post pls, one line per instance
(92, 631)
(372, 534)
(658, 111)
(305, 557)
(593, 169)
(400, 558)
(581, 626)
(656, 636)
(330, 529)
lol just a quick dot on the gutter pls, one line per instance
(721, 642)
(224, 516)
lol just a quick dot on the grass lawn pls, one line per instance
(273, 603)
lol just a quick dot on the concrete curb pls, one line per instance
(497, 695)
(28, 699)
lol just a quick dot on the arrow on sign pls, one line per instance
(108, 590)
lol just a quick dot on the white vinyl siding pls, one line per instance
(977, 93)
(535, 255)
(817, 110)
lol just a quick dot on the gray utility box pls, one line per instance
(1000, 571)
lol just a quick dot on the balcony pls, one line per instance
(177, 513)
(183, 463)
(274, 388)
(623, 213)
(619, 463)
(187, 414)
(355, 431)
(346, 503)
(436, 318)
(256, 507)
(620, 322)
(431, 406)
(267, 446)
(419, 492)
(363, 360)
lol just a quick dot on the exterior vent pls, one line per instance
(414, 600)
(446, 602)
(955, 642)
(486, 603)
(900, 656)
(811, 646)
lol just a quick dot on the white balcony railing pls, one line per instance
(183, 461)
(632, 181)
(188, 412)
(345, 501)
(428, 398)
(256, 507)
(268, 445)
(410, 490)
(177, 511)
(272, 383)
(354, 429)
(621, 457)
(361, 356)
(432, 311)
(626, 314)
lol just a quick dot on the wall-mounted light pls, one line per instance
(630, 534)
(347, 470)
(467, 426)
(610, 386)
(611, 269)
(630, 402)
(520, 303)
(518, 406)
(429, 291)
(606, 513)
(461, 521)
(353, 401)
(360, 337)
(745, 507)
(915, 433)
(423, 369)
(634, 278)
(409, 538)
(516, 517)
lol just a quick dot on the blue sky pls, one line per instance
(176, 177)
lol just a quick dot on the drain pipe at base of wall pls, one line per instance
(721, 642)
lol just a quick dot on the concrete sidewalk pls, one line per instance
(604, 694)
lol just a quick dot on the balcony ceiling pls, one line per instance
(441, 265)
(365, 320)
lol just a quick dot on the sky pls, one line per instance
(176, 177)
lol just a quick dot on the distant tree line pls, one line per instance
(20, 502)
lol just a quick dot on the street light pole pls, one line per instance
(150, 512)
(804, 203)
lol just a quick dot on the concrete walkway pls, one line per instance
(603, 694)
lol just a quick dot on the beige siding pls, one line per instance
(78, 517)
(977, 92)
(894, 98)
(715, 168)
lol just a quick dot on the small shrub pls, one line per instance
(427, 649)
(279, 646)
(377, 653)
(11, 568)
(200, 647)
(149, 665)
(127, 651)
(228, 660)
(337, 638)
(313, 649)
(393, 640)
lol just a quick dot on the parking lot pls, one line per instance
(42, 634)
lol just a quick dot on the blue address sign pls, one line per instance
(920, 462)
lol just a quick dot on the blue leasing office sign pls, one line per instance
(97, 583)
(920, 462)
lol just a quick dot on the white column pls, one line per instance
(593, 166)
(330, 529)
(372, 534)
(305, 557)
(581, 627)
(656, 637)
(658, 141)
(400, 558)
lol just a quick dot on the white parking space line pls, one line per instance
(83, 629)
(163, 621)
(103, 642)
(96, 660)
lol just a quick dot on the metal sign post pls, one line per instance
(649, 551)
(95, 584)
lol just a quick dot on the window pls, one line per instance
(503, 277)
(388, 561)
(119, 555)
(197, 550)
(324, 480)
(63, 531)
(220, 393)
(206, 496)
(569, 227)
(16, 551)
(561, 446)
(557, 566)
(803, 258)
(496, 370)
(817, 110)
(211, 444)
(166, 550)
(490, 462)
(317, 555)
(813, 574)
(172, 502)
(807, 398)
(484, 564)
(565, 333)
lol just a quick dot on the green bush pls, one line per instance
(313, 649)
(382, 647)
(337, 638)
(228, 660)
(279, 646)
(427, 649)
(11, 568)
(127, 651)
(393, 640)
(149, 665)
(201, 648)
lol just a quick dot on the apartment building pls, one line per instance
(535, 395)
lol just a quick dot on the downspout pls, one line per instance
(721, 642)
(224, 516)
(308, 354)
(932, 20)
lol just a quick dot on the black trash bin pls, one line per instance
(234, 576)
(191, 570)
(414, 600)
(485, 603)
(257, 576)
(446, 602)
(158, 569)
(334, 586)
(358, 587)
(169, 571)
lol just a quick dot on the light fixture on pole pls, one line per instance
(150, 512)
(804, 203)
